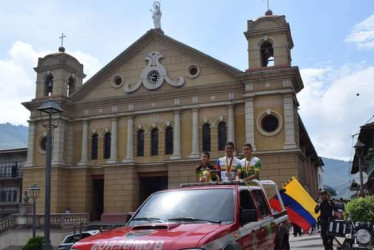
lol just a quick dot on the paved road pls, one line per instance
(309, 242)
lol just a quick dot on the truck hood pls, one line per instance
(165, 236)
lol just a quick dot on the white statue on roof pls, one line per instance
(156, 15)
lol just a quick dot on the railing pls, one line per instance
(57, 220)
(6, 223)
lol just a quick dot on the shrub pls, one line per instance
(34, 243)
(361, 209)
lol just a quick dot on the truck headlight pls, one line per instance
(363, 236)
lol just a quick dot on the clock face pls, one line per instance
(153, 77)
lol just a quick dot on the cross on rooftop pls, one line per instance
(62, 39)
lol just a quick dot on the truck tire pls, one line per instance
(232, 246)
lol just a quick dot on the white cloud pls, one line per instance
(363, 34)
(17, 79)
(331, 109)
(90, 64)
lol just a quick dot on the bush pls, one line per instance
(361, 209)
(34, 243)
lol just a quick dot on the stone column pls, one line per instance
(195, 134)
(58, 143)
(113, 142)
(30, 149)
(84, 150)
(130, 140)
(250, 123)
(70, 144)
(289, 122)
(231, 125)
(177, 136)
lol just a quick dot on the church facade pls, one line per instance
(140, 124)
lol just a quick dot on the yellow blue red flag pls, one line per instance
(299, 204)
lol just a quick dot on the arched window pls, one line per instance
(48, 85)
(107, 142)
(267, 54)
(206, 137)
(222, 135)
(140, 140)
(94, 146)
(71, 86)
(169, 140)
(154, 141)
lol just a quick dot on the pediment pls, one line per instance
(267, 23)
(58, 59)
(155, 64)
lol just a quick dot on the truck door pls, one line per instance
(248, 239)
(266, 234)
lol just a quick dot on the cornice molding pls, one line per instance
(268, 74)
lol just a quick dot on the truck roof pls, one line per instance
(255, 185)
(252, 184)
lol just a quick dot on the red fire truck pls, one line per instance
(201, 216)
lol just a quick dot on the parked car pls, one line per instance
(70, 239)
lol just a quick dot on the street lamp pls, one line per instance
(50, 108)
(34, 193)
(360, 152)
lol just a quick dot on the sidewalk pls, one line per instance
(309, 242)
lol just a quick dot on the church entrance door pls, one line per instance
(97, 198)
(150, 183)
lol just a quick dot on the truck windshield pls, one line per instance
(187, 206)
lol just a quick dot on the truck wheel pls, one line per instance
(232, 246)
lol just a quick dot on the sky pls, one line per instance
(333, 48)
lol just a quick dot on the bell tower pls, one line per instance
(58, 74)
(271, 84)
(269, 41)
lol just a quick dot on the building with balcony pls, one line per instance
(11, 163)
(365, 136)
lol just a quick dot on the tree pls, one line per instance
(34, 243)
(361, 209)
(330, 190)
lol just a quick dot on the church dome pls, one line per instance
(60, 59)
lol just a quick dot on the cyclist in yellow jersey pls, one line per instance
(251, 165)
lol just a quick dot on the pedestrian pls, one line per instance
(26, 197)
(229, 164)
(296, 230)
(326, 207)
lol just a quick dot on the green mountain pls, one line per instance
(13, 136)
(337, 175)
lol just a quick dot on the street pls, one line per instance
(310, 242)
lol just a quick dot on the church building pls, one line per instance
(141, 122)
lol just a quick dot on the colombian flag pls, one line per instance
(299, 205)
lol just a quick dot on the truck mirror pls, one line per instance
(248, 215)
